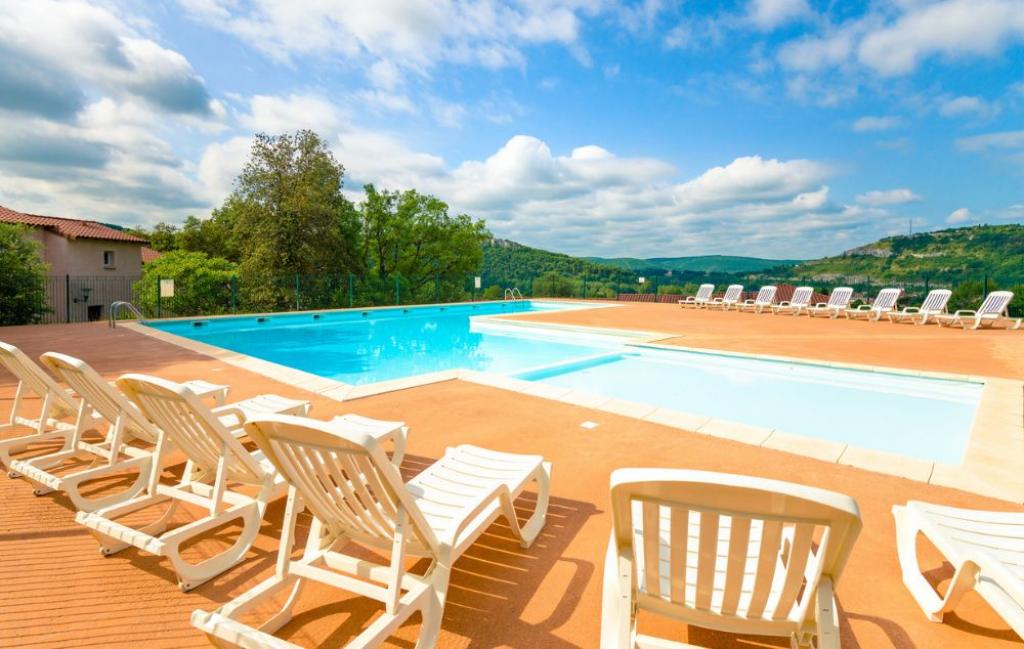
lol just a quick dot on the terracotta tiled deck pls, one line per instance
(57, 591)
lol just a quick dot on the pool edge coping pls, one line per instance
(996, 436)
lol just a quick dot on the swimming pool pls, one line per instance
(360, 347)
(920, 417)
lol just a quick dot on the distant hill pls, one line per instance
(700, 264)
(955, 255)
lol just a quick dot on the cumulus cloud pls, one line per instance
(893, 44)
(959, 216)
(967, 106)
(888, 197)
(871, 123)
(998, 140)
(389, 37)
(770, 14)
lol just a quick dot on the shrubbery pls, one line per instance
(22, 277)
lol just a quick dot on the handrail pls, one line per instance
(513, 294)
(117, 306)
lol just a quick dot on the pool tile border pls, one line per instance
(991, 461)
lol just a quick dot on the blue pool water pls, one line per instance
(920, 417)
(385, 343)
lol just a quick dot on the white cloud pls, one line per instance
(871, 123)
(888, 197)
(998, 140)
(750, 178)
(958, 216)
(390, 36)
(447, 113)
(966, 106)
(770, 14)
(953, 28)
(894, 39)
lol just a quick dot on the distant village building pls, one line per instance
(91, 264)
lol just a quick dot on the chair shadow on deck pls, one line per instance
(495, 597)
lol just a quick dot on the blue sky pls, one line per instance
(776, 128)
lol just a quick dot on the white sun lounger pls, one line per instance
(731, 553)
(764, 300)
(731, 298)
(985, 548)
(837, 303)
(885, 302)
(798, 304)
(934, 304)
(356, 495)
(994, 309)
(114, 454)
(55, 403)
(216, 462)
(702, 297)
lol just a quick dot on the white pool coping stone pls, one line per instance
(991, 464)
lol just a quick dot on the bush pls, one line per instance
(202, 284)
(22, 277)
(493, 292)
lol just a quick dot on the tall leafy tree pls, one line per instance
(412, 237)
(22, 277)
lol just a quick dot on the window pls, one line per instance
(108, 259)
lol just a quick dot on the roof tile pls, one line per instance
(70, 228)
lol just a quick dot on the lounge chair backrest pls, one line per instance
(802, 296)
(887, 299)
(99, 394)
(676, 523)
(344, 478)
(995, 303)
(188, 422)
(704, 291)
(936, 300)
(766, 295)
(733, 293)
(840, 296)
(34, 379)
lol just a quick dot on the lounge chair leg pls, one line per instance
(433, 608)
(190, 575)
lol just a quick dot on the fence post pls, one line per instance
(984, 292)
(67, 298)
(584, 286)
(437, 289)
(234, 294)
(296, 291)
(398, 292)
(350, 290)
(158, 312)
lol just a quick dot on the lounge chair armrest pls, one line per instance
(911, 309)
(996, 571)
(616, 598)
(223, 412)
(963, 312)
(862, 307)
(821, 305)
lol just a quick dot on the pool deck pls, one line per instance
(59, 592)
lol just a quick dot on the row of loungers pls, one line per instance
(994, 309)
(783, 546)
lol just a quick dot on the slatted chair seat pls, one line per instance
(934, 305)
(355, 494)
(838, 302)
(56, 405)
(884, 303)
(994, 309)
(764, 300)
(701, 299)
(796, 305)
(217, 465)
(730, 299)
(985, 548)
(731, 553)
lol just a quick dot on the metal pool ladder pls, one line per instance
(513, 294)
(116, 308)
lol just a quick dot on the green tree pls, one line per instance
(202, 284)
(551, 284)
(22, 277)
(290, 217)
(412, 237)
(214, 236)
